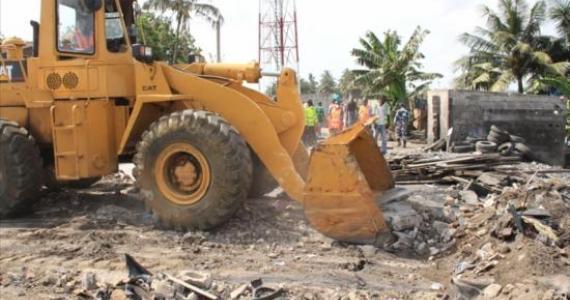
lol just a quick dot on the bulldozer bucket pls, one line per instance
(347, 177)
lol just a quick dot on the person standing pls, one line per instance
(380, 111)
(321, 117)
(311, 121)
(351, 113)
(335, 118)
(402, 118)
(363, 111)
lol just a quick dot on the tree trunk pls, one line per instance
(176, 40)
(520, 82)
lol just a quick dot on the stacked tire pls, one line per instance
(497, 141)
(508, 144)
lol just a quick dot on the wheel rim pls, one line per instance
(182, 173)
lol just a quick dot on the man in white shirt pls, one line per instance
(381, 112)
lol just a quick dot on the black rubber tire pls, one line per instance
(486, 147)
(463, 148)
(506, 149)
(228, 158)
(517, 139)
(498, 138)
(524, 151)
(498, 130)
(473, 140)
(263, 182)
(20, 169)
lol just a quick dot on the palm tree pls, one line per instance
(183, 11)
(390, 70)
(508, 49)
(346, 85)
(327, 85)
(560, 14)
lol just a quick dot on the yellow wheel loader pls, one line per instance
(89, 95)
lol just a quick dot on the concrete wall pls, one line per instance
(539, 119)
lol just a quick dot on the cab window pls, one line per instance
(114, 33)
(75, 28)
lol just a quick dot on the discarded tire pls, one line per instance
(463, 148)
(506, 149)
(473, 140)
(498, 130)
(497, 138)
(517, 139)
(194, 170)
(20, 169)
(486, 147)
(524, 150)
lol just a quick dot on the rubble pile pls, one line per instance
(520, 235)
(491, 232)
(420, 224)
(142, 284)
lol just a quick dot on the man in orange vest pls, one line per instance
(363, 111)
(83, 36)
(335, 117)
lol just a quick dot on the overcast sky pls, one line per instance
(328, 29)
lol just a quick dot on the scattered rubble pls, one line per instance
(497, 232)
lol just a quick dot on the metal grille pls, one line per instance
(70, 80)
(54, 81)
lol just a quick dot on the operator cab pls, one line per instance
(76, 25)
(75, 32)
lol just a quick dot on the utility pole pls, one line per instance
(218, 41)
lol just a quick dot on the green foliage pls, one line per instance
(327, 85)
(305, 87)
(560, 83)
(184, 11)
(347, 85)
(560, 14)
(313, 84)
(161, 37)
(390, 69)
(509, 49)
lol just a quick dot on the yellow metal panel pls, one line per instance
(120, 80)
(40, 124)
(9, 93)
(68, 82)
(16, 114)
(84, 139)
(121, 118)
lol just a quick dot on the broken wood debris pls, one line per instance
(412, 168)
(143, 285)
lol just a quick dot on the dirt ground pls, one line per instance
(71, 233)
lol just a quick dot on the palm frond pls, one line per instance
(503, 81)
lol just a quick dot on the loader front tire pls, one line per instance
(20, 169)
(194, 170)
